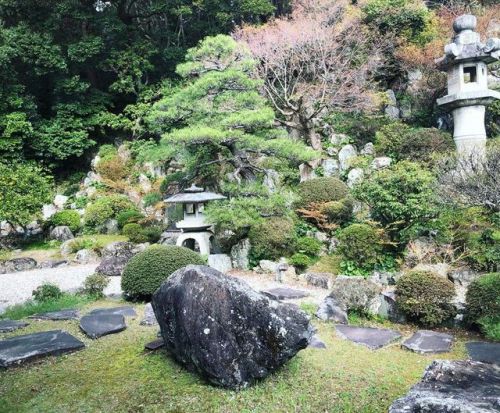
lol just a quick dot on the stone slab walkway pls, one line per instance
(428, 342)
(484, 351)
(373, 338)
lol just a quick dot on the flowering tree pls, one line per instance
(321, 57)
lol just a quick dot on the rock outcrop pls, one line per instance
(116, 255)
(223, 329)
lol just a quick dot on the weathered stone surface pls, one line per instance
(60, 200)
(317, 343)
(354, 177)
(346, 155)
(7, 325)
(85, 256)
(126, 311)
(116, 255)
(267, 266)
(111, 226)
(240, 254)
(355, 293)
(442, 269)
(48, 210)
(484, 352)
(68, 314)
(155, 345)
(338, 139)
(381, 162)
(271, 180)
(61, 233)
(319, 279)
(223, 329)
(21, 349)
(98, 325)
(306, 172)
(331, 167)
(373, 338)
(331, 310)
(52, 264)
(368, 149)
(284, 293)
(220, 262)
(388, 307)
(453, 387)
(17, 264)
(149, 316)
(428, 342)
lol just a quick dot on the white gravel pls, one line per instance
(17, 287)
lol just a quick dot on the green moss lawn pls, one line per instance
(115, 374)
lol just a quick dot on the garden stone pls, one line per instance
(319, 279)
(338, 139)
(368, 149)
(149, 316)
(355, 293)
(85, 256)
(331, 151)
(125, 311)
(34, 228)
(98, 325)
(231, 335)
(373, 338)
(284, 293)
(442, 269)
(5, 229)
(306, 172)
(271, 180)
(381, 162)
(392, 112)
(428, 342)
(155, 345)
(317, 343)
(52, 264)
(388, 307)
(240, 254)
(484, 352)
(20, 349)
(61, 233)
(7, 325)
(144, 183)
(68, 314)
(463, 276)
(268, 266)
(321, 236)
(116, 256)
(346, 155)
(354, 177)
(169, 237)
(458, 386)
(111, 226)
(330, 167)
(47, 211)
(17, 264)
(333, 245)
(330, 310)
(220, 262)
(60, 200)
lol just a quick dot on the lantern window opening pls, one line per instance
(190, 209)
(470, 74)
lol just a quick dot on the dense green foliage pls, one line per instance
(67, 217)
(271, 239)
(321, 190)
(145, 272)
(105, 208)
(483, 304)
(47, 292)
(24, 189)
(128, 216)
(95, 284)
(425, 297)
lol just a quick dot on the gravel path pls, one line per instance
(17, 287)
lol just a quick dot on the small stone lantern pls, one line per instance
(195, 229)
(465, 62)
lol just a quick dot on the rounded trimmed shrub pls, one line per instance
(483, 298)
(320, 190)
(361, 244)
(95, 284)
(47, 292)
(272, 239)
(425, 297)
(128, 217)
(134, 233)
(68, 218)
(104, 208)
(338, 211)
(145, 272)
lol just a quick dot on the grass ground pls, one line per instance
(115, 374)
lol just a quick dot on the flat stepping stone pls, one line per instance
(284, 293)
(125, 311)
(18, 350)
(484, 351)
(7, 325)
(98, 325)
(69, 314)
(428, 342)
(155, 345)
(316, 342)
(373, 338)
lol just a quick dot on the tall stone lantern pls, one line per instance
(196, 231)
(465, 62)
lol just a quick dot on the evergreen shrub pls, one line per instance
(68, 218)
(134, 233)
(47, 292)
(361, 244)
(104, 208)
(95, 284)
(321, 190)
(128, 217)
(271, 239)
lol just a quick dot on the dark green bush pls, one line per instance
(321, 190)
(152, 233)
(134, 233)
(271, 239)
(104, 208)
(425, 297)
(300, 261)
(361, 244)
(308, 246)
(483, 250)
(145, 272)
(338, 212)
(47, 292)
(483, 299)
(66, 217)
(151, 199)
(95, 284)
(128, 217)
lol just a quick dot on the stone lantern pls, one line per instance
(465, 62)
(195, 229)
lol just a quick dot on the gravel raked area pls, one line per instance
(17, 287)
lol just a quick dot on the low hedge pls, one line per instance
(68, 218)
(321, 190)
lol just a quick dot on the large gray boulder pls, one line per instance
(17, 264)
(356, 293)
(223, 329)
(459, 386)
(61, 233)
(116, 255)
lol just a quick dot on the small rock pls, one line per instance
(7, 325)
(17, 264)
(331, 310)
(442, 269)
(355, 293)
(319, 279)
(267, 266)
(331, 151)
(116, 255)
(284, 293)
(428, 342)
(381, 162)
(368, 149)
(331, 167)
(60, 200)
(68, 314)
(61, 233)
(389, 309)
(316, 342)
(144, 183)
(47, 211)
(155, 345)
(220, 262)
(338, 139)
(373, 338)
(125, 311)
(111, 226)
(306, 172)
(169, 237)
(149, 316)
(321, 236)
(98, 325)
(240, 254)
(346, 155)
(354, 177)
(53, 264)
(85, 256)
(271, 180)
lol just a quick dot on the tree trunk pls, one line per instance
(244, 169)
